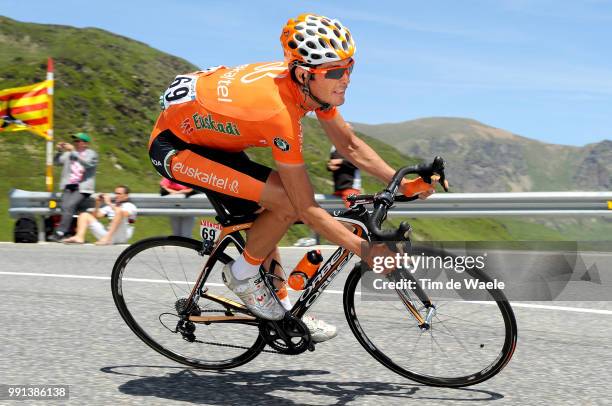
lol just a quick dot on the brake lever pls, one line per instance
(443, 181)
(436, 168)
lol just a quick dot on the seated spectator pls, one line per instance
(121, 213)
(181, 225)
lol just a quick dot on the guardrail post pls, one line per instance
(42, 232)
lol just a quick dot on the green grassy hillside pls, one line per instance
(108, 86)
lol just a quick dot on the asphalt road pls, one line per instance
(60, 326)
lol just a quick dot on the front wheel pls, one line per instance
(465, 343)
(150, 282)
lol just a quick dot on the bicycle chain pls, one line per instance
(230, 345)
(234, 346)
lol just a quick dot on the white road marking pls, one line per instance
(337, 292)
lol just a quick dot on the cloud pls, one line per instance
(585, 10)
(438, 27)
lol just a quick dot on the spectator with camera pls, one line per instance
(120, 212)
(77, 181)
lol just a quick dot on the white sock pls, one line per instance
(242, 270)
(286, 302)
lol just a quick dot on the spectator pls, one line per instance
(181, 225)
(121, 213)
(347, 178)
(78, 178)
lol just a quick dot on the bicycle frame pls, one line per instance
(356, 217)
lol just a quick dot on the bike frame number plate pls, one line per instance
(210, 231)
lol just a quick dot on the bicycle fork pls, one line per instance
(424, 323)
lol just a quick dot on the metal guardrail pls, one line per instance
(509, 204)
(27, 203)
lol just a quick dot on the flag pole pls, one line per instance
(49, 177)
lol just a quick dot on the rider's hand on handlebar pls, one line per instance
(419, 187)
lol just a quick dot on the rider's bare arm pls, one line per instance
(355, 150)
(362, 155)
(301, 194)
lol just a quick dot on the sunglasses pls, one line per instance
(335, 72)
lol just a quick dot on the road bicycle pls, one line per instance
(169, 292)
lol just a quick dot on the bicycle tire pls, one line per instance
(117, 286)
(500, 361)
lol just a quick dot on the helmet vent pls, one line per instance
(312, 40)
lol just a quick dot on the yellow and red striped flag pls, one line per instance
(26, 108)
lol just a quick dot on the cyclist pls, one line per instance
(210, 117)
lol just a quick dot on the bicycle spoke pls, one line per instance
(449, 332)
(183, 269)
(162, 275)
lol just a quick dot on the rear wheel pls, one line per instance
(466, 342)
(153, 278)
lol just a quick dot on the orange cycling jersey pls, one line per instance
(231, 109)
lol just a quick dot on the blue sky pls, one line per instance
(538, 68)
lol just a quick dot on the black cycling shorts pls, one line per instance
(229, 178)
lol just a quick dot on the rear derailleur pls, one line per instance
(185, 326)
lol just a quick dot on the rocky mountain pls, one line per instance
(481, 158)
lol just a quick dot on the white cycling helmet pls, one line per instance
(313, 39)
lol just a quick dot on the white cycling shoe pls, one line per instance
(319, 330)
(254, 294)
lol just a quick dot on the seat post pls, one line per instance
(224, 216)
